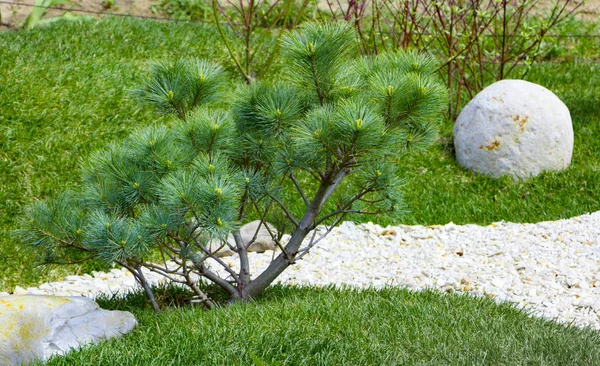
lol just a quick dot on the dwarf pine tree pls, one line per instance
(331, 130)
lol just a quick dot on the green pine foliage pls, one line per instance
(333, 129)
(180, 87)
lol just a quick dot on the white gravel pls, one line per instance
(552, 268)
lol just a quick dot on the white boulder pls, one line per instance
(37, 327)
(515, 128)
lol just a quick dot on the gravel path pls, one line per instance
(552, 268)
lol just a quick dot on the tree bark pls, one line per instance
(285, 259)
(139, 276)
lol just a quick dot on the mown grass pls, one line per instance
(327, 326)
(63, 93)
(440, 191)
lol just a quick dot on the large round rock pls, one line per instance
(515, 128)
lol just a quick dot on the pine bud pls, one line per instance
(390, 90)
(215, 127)
(168, 163)
(278, 112)
(219, 192)
(211, 168)
(139, 237)
(78, 232)
(378, 173)
(170, 95)
(247, 180)
(311, 47)
(123, 242)
(202, 77)
(359, 123)
(219, 222)
(317, 133)
(136, 185)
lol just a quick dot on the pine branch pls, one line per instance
(345, 208)
(299, 189)
(215, 258)
(303, 251)
(213, 277)
(285, 210)
(274, 237)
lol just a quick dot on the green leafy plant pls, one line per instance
(168, 199)
(39, 10)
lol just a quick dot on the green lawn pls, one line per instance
(310, 326)
(63, 93)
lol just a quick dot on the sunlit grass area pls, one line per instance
(328, 326)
